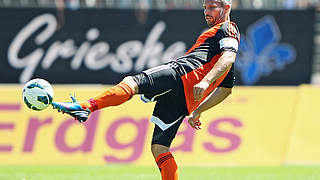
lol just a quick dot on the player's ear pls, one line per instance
(227, 7)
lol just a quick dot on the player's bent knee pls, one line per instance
(132, 83)
(158, 149)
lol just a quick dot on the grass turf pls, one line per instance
(130, 172)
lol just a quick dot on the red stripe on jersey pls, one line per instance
(194, 77)
(233, 31)
(204, 36)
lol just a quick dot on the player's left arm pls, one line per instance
(214, 98)
(229, 38)
(222, 65)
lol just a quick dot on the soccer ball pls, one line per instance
(37, 94)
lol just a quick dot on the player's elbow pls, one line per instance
(229, 57)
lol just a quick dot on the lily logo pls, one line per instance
(261, 53)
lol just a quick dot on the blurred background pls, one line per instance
(84, 46)
(165, 4)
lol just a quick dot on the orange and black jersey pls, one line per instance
(200, 59)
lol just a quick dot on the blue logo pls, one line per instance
(261, 53)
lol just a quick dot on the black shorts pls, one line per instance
(163, 85)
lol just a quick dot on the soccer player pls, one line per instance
(191, 84)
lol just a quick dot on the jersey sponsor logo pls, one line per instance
(261, 52)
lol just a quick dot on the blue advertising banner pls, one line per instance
(276, 48)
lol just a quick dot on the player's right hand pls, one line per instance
(194, 120)
(198, 90)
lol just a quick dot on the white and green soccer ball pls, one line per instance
(37, 94)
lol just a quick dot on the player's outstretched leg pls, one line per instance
(165, 161)
(73, 108)
(113, 96)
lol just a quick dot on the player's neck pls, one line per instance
(224, 19)
(227, 18)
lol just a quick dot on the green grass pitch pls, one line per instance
(130, 172)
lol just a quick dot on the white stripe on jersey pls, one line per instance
(229, 42)
(157, 68)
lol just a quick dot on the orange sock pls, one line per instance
(168, 166)
(116, 95)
